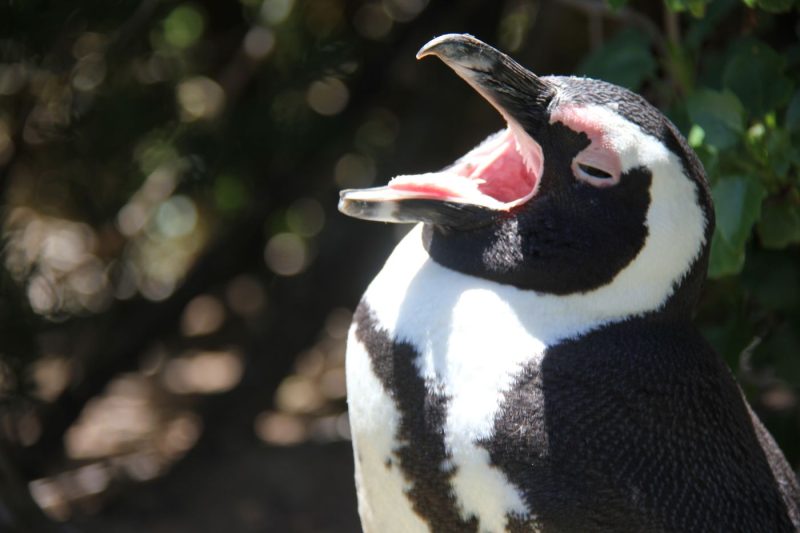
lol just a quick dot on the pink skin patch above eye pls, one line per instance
(599, 154)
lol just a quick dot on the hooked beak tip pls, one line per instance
(450, 46)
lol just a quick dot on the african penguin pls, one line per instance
(525, 360)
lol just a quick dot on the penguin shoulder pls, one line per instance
(625, 421)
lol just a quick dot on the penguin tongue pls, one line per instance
(496, 174)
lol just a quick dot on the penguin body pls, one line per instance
(525, 360)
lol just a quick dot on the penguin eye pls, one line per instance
(588, 170)
(594, 172)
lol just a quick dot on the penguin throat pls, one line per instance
(500, 173)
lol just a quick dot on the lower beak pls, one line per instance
(383, 204)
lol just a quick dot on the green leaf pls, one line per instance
(616, 4)
(778, 148)
(701, 28)
(719, 114)
(775, 6)
(230, 194)
(725, 260)
(696, 7)
(625, 60)
(737, 204)
(779, 225)
(793, 113)
(710, 158)
(755, 73)
(696, 136)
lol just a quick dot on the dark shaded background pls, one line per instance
(176, 283)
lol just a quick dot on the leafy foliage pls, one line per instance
(624, 60)
(731, 82)
(696, 7)
(719, 117)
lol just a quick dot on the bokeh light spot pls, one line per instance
(779, 398)
(337, 323)
(203, 372)
(200, 98)
(180, 434)
(50, 375)
(183, 26)
(176, 217)
(354, 171)
(372, 21)
(332, 384)
(330, 428)
(142, 466)
(155, 151)
(515, 25)
(276, 11)
(245, 295)
(132, 218)
(91, 479)
(89, 277)
(310, 363)
(89, 72)
(6, 142)
(259, 42)
(114, 422)
(297, 394)
(43, 295)
(13, 78)
(404, 10)
(49, 496)
(280, 429)
(286, 254)
(156, 290)
(203, 315)
(328, 97)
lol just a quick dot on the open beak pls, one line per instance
(499, 174)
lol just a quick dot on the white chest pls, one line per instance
(472, 336)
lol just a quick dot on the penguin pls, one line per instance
(525, 360)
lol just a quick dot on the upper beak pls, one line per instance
(517, 93)
(452, 197)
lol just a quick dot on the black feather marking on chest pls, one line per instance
(422, 454)
(639, 426)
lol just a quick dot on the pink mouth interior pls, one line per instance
(495, 174)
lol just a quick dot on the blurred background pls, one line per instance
(176, 283)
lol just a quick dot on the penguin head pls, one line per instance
(589, 191)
